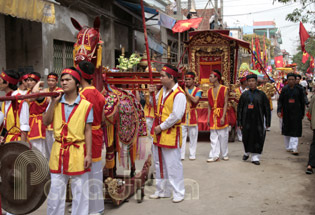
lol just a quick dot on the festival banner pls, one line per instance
(185, 25)
(305, 57)
(279, 61)
(303, 36)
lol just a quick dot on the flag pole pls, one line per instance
(151, 82)
(261, 66)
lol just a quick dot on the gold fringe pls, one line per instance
(74, 52)
(99, 56)
(110, 134)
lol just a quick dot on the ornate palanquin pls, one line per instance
(210, 50)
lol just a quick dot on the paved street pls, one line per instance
(278, 186)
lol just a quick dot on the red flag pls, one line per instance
(305, 57)
(309, 71)
(312, 62)
(258, 50)
(184, 25)
(303, 36)
(265, 57)
(253, 58)
(279, 61)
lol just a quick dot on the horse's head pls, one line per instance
(87, 41)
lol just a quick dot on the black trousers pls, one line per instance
(311, 160)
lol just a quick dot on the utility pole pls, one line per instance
(216, 17)
(189, 5)
(179, 9)
(221, 11)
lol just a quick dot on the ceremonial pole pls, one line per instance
(151, 82)
(263, 69)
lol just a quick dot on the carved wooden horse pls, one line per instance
(123, 111)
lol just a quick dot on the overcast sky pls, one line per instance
(262, 10)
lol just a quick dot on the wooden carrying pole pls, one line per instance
(151, 82)
(30, 96)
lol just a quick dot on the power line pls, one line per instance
(244, 5)
(244, 14)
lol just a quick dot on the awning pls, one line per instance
(137, 7)
(34, 10)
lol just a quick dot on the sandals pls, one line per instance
(309, 171)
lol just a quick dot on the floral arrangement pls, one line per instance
(125, 63)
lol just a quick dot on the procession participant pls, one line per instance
(253, 113)
(38, 106)
(91, 94)
(297, 82)
(217, 118)
(71, 153)
(304, 84)
(171, 103)
(16, 115)
(291, 108)
(239, 91)
(190, 121)
(52, 81)
(22, 89)
(311, 157)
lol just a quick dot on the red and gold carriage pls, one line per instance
(210, 50)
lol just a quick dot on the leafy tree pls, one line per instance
(297, 58)
(304, 14)
(248, 38)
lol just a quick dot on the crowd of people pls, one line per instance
(67, 129)
(253, 120)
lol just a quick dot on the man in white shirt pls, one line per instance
(304, 83)
(171, 103)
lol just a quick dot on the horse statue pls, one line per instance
(125, 124)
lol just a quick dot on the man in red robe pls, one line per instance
(217, 118)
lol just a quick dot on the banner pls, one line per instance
(305, 57)
(185, 25)
(279, 61)
(34, 10)
(166, 21)
(303, 36)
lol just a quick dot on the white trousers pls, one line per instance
(291, 143)
(49, 141)
(219, 142)
(255, 156)
(40, 145)
(96, 196)
(57, 194)
(173, 180)
(149, 122)
(239, 134)
(192, 131)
